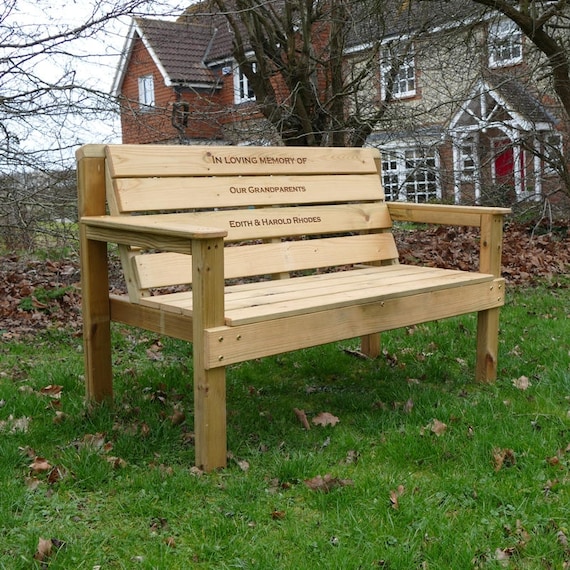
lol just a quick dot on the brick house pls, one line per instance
(467, 122)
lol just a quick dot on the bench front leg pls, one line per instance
(209, 385)
(487, 345)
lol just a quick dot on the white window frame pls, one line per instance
(467, 160)
(242, 91)
(411, 174)
(391, 174)
(505, 44)
(405, 82)
(146, 92)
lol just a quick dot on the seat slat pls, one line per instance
(345, 298)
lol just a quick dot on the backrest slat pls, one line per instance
(266, 223)
(165, 269)
(178, 193)
(136, 161)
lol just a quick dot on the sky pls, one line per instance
(90, 59)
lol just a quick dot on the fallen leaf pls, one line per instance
(394, 500)
(503, 556)
(278, 515)
(52, 390)
(351, 457)
(177, 417)
(503, 458)
(116, 462)
(159, 524)
(327, 483)
(395, 495)
(44, 549)
(96, 441)
(170, 542)
(302, 417)
(437, 427)
(13, 425)
(59, 417)
(522, 383)
(32, 483)
(243, 465)
(40, 465)
(357, 353)
(325, 419)
(56, 474)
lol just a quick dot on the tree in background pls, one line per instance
(52, 99)
(294, 55)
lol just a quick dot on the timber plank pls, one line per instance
(151, 160)
(147, 194)
(164, 269)
(265, 338)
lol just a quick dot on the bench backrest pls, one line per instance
(288, 209)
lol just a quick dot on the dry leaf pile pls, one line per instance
(527, 257)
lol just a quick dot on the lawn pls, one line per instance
(424, 469)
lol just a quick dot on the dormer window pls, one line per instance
(505, 44)
(146, 92)
(243, 91)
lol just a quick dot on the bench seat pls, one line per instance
(264, 300)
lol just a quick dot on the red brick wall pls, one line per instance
(155, 124)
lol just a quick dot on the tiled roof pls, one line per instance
(181, 48)
(519, 98)
(401, 17)
(202, 35)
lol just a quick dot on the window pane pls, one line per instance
(410, 175)
(404, 82)
(505, 43)
(146, 91)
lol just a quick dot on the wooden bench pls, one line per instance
(203, 215)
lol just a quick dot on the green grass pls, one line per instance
(130, 498)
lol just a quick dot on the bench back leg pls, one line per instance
(370, 345)
(487, 345)
(94, 278)
(96, 321)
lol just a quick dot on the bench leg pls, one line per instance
(487, 345)
(370, 345)
(209, 384)
(210, 418)
(96, 321)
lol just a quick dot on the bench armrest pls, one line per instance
(155, 232)
(442, 213)
(489, 220)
